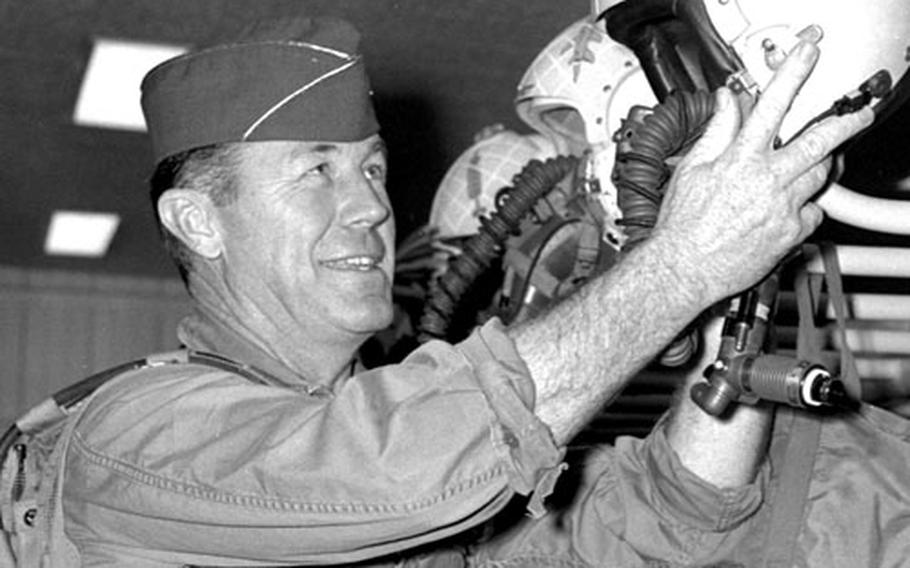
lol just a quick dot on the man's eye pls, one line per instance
(376, 172)
(322, 169)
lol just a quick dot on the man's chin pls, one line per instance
(374, 319)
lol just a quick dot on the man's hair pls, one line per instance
(209, 170)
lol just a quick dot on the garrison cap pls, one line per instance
(295, 79)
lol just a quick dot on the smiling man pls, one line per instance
(266, 442)
(302, 256)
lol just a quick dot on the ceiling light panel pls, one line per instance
(80, 233)
(109, 94)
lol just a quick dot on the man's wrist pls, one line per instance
(682, 277)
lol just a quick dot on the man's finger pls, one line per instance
(763, 124)
(811, 216)
(818, 142)
(720, 131)
(808, 184)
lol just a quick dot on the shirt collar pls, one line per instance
(201, 332)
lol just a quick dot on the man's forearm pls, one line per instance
(724, 451)
(584, 350)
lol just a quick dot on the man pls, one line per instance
(271, 192)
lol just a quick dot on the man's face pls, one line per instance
(310, 238)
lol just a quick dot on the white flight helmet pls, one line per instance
(577, 91)
(860, 39)
(741, 42)
(468, 189)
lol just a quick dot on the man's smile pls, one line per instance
(356, 263)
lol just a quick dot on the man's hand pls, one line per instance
(737, 203)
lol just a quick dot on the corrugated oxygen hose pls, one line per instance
(641, 174)
(534, 181)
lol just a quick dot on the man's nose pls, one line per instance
(367, 204)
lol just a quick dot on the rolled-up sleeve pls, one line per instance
(198, 465)
(632, 504)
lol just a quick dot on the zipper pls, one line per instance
(19, 480)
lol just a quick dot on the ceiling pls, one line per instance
(441, 71)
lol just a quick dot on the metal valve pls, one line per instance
(743, 373)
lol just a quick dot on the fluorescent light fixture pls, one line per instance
(80, 233)
(109, 95)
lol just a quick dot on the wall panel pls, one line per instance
(58, 327)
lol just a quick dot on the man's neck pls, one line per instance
(321, 359)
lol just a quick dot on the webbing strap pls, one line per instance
(789, 509)
(848, 373)
(804, 431)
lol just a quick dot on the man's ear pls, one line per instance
(189, 215)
